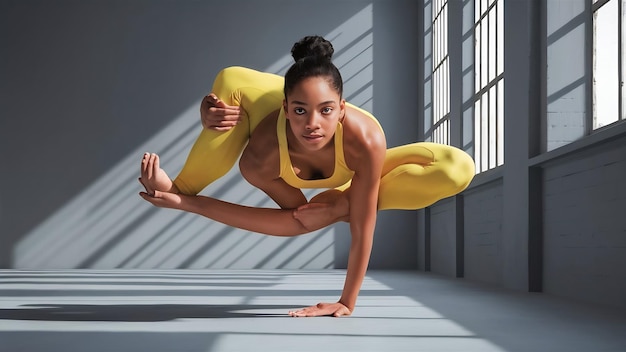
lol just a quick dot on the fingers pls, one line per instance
(144, 179)
(147, 197)
(151, 162)
(313, 206)
(156, 164)
(143, 184)
(144, 163)
(343, 311)
(154, 198)
(215, 114)
(213, 99)
(322, 309)
(150, 166)
(146, 166)
(227, 116)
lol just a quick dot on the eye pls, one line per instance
(327, 110)
(299, 111)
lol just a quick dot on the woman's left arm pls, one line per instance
(363, 198)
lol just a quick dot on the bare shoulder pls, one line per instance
(260, 160)
(363, 137)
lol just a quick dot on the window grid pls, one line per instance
(608, 50)
(440, 130)
(488, 84)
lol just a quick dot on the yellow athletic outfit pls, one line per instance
(418, 174)
(341, 174)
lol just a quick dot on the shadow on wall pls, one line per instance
(109, 226)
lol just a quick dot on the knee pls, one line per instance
(461, 169)
(226, 83)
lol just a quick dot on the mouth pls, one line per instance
(313, 137)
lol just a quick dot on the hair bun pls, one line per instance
(313, 45)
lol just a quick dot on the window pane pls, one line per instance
(436, 129)
(484, 58)
(492, 126)
(500, 122)
(477, 129)
(500, 34)
(484, 134)
(606, 75)
(476, 11)
(443, 34)
(446, 70)
(477, 66)
(488, 100)
(492, 43)
(468, 131)
(623, 53)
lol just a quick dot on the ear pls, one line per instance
(285, 108)
(342, 109)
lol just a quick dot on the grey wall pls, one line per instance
(585, 227)
(551, 218)
(443, 237)
(88, 86)
(483, 233)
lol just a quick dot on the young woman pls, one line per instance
(316, 140)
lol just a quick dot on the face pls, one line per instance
(313, 109)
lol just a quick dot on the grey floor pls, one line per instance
(246, 311)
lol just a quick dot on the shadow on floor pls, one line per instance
(136, 312)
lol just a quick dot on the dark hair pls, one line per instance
(313, 56)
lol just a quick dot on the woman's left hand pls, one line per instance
(163, 199)
(322, 309)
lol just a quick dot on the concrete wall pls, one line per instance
(443, 237)
(88, 86)
(551, 218)
(483, 233)
(585, 226)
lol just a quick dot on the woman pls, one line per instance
(316, 140)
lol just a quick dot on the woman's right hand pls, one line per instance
(153, 178)
(218, 116)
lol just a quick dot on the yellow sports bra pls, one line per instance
(341, 173)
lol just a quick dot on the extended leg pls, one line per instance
(419, 174)
(414, 176)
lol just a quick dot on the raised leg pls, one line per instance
(214, 152)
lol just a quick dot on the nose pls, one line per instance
(313, 121)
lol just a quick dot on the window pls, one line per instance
(481, 41)
(607, 96)
(488, 98)
(437, 125)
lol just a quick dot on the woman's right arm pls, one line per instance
(269, 221)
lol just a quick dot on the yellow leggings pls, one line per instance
(414, 175)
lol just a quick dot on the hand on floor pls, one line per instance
(322, 309)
